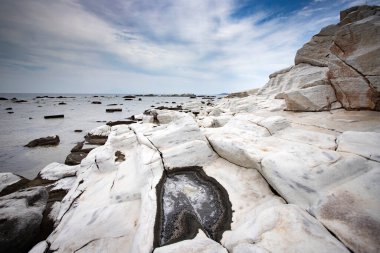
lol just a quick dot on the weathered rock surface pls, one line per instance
(45, 141)
(350, 50)
(21, 216)
(340, 63)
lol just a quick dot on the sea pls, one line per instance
(27, 123)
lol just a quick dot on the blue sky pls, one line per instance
(161, 46)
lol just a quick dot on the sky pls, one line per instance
(154, 46)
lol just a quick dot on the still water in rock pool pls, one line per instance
(189, 200)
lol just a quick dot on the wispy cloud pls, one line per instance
(165, 46)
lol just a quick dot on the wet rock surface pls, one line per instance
(45, 141)
(189, 200)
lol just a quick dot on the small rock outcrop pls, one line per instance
(45, 141)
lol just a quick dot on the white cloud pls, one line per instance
(188, 46)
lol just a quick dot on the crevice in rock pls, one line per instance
(258, 124)
(325, 128)
(189, 200)
(336, 143)
(71, 204)
(274, 191)
(367, 158)
(375, 93)
(161, 155)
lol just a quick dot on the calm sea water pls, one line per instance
(27, 123)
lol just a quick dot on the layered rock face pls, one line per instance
(340, 66)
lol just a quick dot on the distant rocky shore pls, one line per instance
(293, 167)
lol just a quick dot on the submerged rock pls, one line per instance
(45, 141)
(54, 116)
(114, 110)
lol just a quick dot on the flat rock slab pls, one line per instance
(366, 144)
(44, 141)
(114, 110)
(58, 116)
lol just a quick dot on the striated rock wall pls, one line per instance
(345, 56)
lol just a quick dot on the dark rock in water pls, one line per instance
(174, 102)
(111, 104)
(96, 102)
(75, 158)
(11, 112)
(40, 106)
(114, 110)
(19, 101)
(62, 103)
(196, 113)
(193, 96)
(78, 147)
(78, 130)
(120, 122)
(152, 106)
(47, 141)
(96, 139)
(120, 157)
(1, 98)
(129, 97)
(54, 116)
(8, 109)
(95, 96)
(44, 141)
(21, 214)
(140, 99)
(30, 118)
(177, 108)
(188, 200)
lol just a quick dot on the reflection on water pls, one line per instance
(28, 123)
